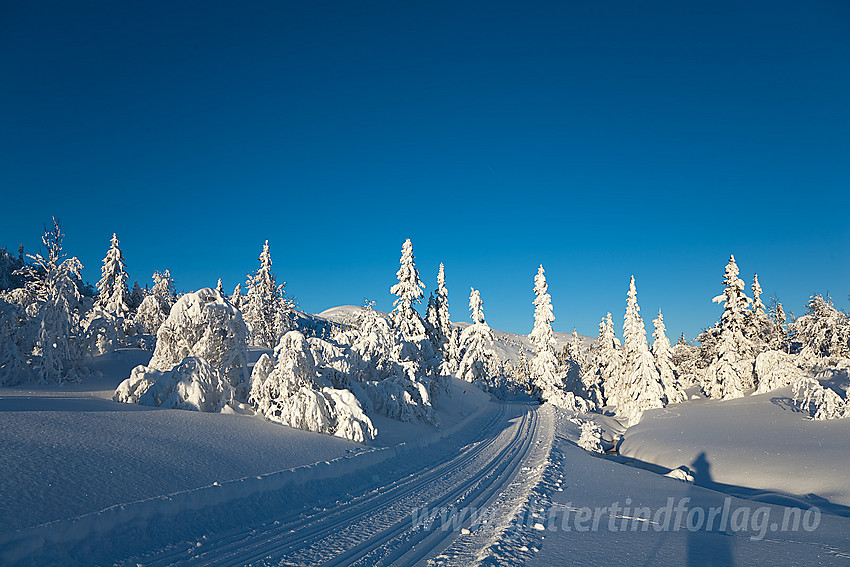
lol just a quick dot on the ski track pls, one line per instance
(378, 528)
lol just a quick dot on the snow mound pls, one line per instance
(289, 390)
(191, 385)
(203, 324)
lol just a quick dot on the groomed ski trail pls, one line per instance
(389, 524)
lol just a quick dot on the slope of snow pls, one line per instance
(756, 442)
(77, 461)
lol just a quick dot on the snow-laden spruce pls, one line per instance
(288, 389)
(818, 402)
(266, 311)
(822, 331)
(155, 307)
(203, 326)
(664, 361)
(193, 384)
(546, 380)
(476, 345)
(440, 329)
(408, 291)
(730, 372)
(776, 369)
(641, 388)
(611, 362)
(55, 310)
(114, 295)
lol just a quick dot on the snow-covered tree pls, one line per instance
(408, 291)
(545, 377)
(289, 390)
(476, 343)
(114, 295)
(664, 361)
(136, 296)
(156, 306)
(265, 309)
(16, 342)
(591, 437)
(776, 369)
(192, 384)
(204, 325)
(219, 287)
(730, 372)
(439, 325)
(818, 402)
(778, 339)
(53, 284)
(641, 388)
(823, 331)
(759, 327)
(237, 299)
(611, 363)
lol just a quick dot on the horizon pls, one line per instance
(600, 141)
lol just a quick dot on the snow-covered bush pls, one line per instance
(102, 331)
(289, 390)
(818, 402)
(191, 385)
(591, 437)
(203, 324)
(776, 369)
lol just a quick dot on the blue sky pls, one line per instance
(601, 139)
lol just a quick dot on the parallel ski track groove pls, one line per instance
(301, 530)
(413, 552)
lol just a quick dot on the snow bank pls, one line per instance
(756, 442)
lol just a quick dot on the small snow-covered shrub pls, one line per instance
(203, 324)
(289, 390)
(819, 402)
(591, 437)
(101, 331)
(776, 369)
(191, 385)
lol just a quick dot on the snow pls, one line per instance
(757, 442)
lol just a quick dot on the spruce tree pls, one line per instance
(546, 380)
(263, 303)
(114, 295)
(641, 388)
(408, 291)
(476, 341)
(220, 288)
(612, 365)
(237, 300)
(730, 372)
(664, 361)
(53, 284)
(438, 323)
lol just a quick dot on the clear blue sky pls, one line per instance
(599, 138)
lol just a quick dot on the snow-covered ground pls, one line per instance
(88, 481)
